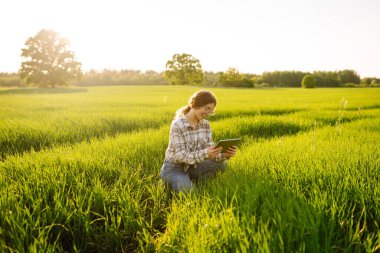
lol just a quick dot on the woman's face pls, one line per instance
(204, 111)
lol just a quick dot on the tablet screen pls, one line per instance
(226, 143)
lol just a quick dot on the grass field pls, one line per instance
(79, 171)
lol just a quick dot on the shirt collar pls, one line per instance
(186, 123)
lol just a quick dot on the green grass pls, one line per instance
(80, 172)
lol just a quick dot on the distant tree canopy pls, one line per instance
(9, 79)
(184, 69)
(211, 79)
(348, 76)
(121, 77)
(283, 78)
(48, 62)
(370, 82)
(233, 78)
(324, 78)
(327, 78)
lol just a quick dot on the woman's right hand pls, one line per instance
(213, 152)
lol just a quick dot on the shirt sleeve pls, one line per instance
(220, 157)
(182, 153)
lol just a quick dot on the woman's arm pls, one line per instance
(220, 157)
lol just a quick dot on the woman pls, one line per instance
(191, 154)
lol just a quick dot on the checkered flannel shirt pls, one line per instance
(189, 145)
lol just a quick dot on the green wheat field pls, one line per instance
(79, 172)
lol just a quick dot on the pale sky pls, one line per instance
(252, 36)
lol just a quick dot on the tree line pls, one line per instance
(47, 62)
(211, 79)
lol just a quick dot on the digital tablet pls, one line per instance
(227, 143)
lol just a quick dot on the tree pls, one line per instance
(48, 62)
(212, 78)
(184, 69)
(309, 81)
(233, 78)
(283, 78)
(349, 76)
(327, 78)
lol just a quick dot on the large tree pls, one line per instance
(184, 69)
(47, 61)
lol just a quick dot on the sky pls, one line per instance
(253, 36)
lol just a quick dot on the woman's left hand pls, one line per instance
(230, 152)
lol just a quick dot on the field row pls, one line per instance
(19, 136)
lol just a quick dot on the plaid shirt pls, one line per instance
(189, 145)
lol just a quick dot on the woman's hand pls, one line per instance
(230, 152)
(213, 152)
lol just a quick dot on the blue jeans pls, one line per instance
(175, 176)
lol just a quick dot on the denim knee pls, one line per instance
(175, 176)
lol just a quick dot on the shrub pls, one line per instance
(262, 85)
(309, 81)
(349, 85)
(374, 85)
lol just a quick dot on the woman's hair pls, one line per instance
(198, 99)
